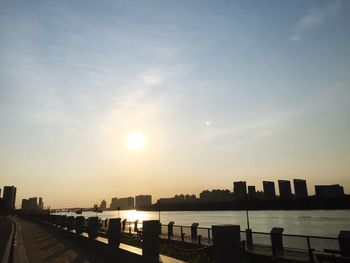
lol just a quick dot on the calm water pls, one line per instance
(316, 222)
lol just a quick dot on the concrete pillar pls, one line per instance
(249, 238)
(276, 240)
(52, 219)
(150, 245)
(344, 243)
(113, 231)
(70, 223)
(79, 224)
(123, 225)
(194, 231)
(170, 229)
(136, 229)
(63, 222)
(227, 244)
(56, 220)
(92, 227)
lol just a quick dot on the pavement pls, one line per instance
(5, 230)
(35, 244)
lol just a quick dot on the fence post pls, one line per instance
(70, 223)
(79, 224)
(150, 244)
(136, 229)
(227, 244)
(170, 229)
(113, 232)
(123, 225)
(63, 221)
(208, 236)
(92, 227)
(200, 239)
(344, 243)
(249, 238)
(276, 240)
(310, 250)
(194, 231)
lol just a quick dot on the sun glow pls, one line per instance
(136, 141)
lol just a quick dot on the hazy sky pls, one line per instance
(222, 90)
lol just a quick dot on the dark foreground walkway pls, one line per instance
(5, 230)
(35, 244)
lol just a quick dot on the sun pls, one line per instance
(136, 141)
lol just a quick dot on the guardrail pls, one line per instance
(254, 242)
(204, 236)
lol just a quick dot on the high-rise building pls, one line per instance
(240, 190)
(331, 191)
(251, 192)
(41, 203)
(300, 188)
(285, 189)
(114, 203)
(143, 200)
(103, 205)
(9, 196)
(269, 190)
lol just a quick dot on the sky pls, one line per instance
(222, 91)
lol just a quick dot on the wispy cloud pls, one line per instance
(251, 129)
(314, 18)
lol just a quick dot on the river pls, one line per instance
(310, 222)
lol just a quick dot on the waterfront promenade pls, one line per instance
(35, 243)
(5, 230)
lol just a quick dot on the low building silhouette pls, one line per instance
(329, 191)
(251, 192)
(216, 195)
(178, 199)
(32, 204)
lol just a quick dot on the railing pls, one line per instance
(293, 242)
(196, 242)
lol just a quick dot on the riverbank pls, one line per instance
(311, 203)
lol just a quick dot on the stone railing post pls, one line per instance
(249, 238)
(123, 225)
(194, 227)
(276, 240)
(227, 244)
(344, 243)
(113, 231)
(150, 245)
(70, 223)
(136, 228)
(92, 227)
(79, 224)
(170, 229)
(63, 221)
